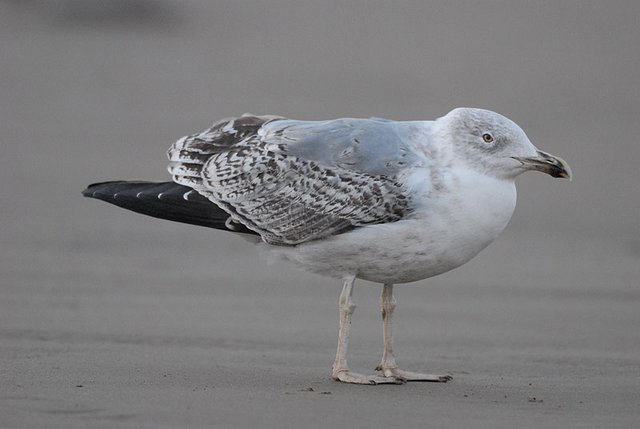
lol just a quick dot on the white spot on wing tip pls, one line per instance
(229, 224)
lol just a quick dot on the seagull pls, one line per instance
(386, 201)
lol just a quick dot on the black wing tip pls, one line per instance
(93, 190)
(90, 190)
(164, 200)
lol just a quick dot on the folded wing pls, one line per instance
(295, 181)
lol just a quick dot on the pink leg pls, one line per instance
(388, 365)
(340, 370)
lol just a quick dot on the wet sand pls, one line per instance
(110, 319)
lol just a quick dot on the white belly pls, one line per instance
(444, 234)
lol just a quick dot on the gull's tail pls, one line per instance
(165, 200)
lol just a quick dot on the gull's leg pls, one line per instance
(388, 365)
(340, 370)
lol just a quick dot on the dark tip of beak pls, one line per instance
(547, 163)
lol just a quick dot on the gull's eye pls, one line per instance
(488, 138)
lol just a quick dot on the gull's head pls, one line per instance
(495, 144)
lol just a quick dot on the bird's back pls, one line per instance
(296, 181)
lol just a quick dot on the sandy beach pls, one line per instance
(111, 319)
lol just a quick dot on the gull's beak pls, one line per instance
(547, 163)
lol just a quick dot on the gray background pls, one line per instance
(111, 319)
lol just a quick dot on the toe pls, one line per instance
(356, 378)
(415, 376)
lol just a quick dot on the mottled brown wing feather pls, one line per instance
(286, 199)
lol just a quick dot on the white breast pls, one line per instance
(448, 230)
